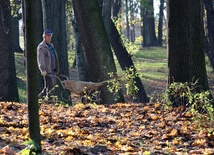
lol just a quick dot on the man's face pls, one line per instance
(47, 38)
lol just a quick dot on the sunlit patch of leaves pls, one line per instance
(114, 129)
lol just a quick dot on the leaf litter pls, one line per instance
(117, 129)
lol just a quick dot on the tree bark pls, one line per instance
(32, 39)
(16, 16)
(80, 55)
(106, 14)
(15, 29)
(96, 45)
(116, 9)
(132, 18)
(149, 35)
(125, 61)
(186, 59)
(127, 20)
(209, 37)
(160, 23)
(8, 83)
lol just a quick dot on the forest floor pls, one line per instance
(117, 129)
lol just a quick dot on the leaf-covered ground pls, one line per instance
(109, 130)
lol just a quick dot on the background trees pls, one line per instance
(129, 25)
(149, 35)
(209, 32)
(8, 83)
(160, 23)
(16, 16)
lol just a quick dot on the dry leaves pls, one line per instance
(98, 129)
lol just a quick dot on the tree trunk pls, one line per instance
(116, 9)
(16, 16)
(209, 38)
(132, 19)
(32, 38)
(125, 61)
(8, 83)
(44, 15)
(160, 23)
(96, 45)
(127, 20)
(80, 55)
(106, 14)
(186, 59)
(142, 30)
(15, 29)
(152, 40)
(149, 35)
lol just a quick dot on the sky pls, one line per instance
(156, 6)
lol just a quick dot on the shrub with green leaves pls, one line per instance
(187, 94)
(128, 78)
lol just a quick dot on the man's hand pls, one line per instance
(44, 73)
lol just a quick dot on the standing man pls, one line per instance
(48, 63)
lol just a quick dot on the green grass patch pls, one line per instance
(157, 53)
(157, 76)
(22, 90)
(21, 76)
(152, 63)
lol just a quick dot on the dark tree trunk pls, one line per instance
(127, 20)
(80, 55)
(143, 30)
(151, 39)
(116, 9)
(15, 29)
(8, 83)
(96, 44)
(149, 35)
(209, 38)
(16, 16)
(132, 26)
(106, 14)
(125, 61)
(186, 58)
(32, 38)
(160, 24)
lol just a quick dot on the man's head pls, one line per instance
(47, 35)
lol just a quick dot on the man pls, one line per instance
(48, 63)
